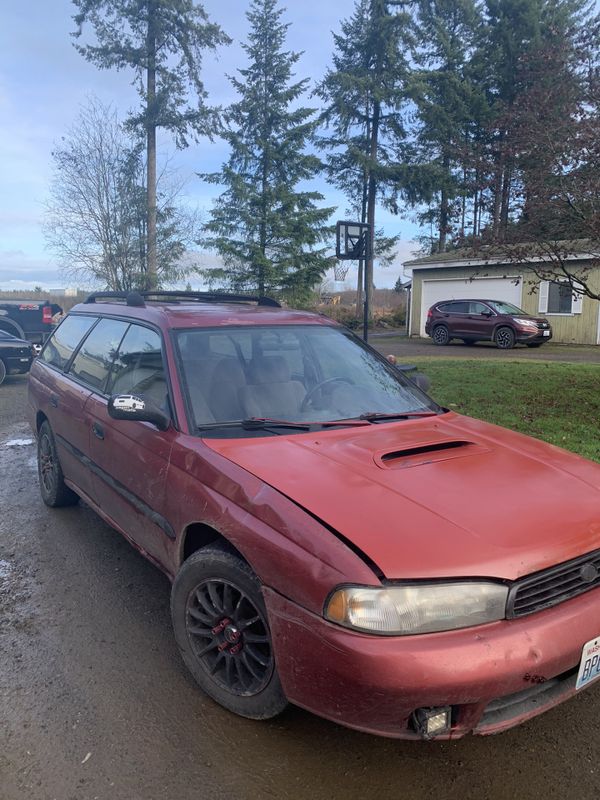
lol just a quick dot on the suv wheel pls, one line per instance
(221, 628)
(505, 338)
(2, 371)
(55, 492)
(440, 335)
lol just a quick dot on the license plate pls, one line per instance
(23, 359)
(546, 333)
(589, 666)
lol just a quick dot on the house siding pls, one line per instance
(569, 329)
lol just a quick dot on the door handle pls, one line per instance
(54, 401)
(98, 430)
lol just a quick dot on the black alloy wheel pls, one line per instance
(440, 335)
(230, 637)
(220, 623)
(55, 493)
(505, 338)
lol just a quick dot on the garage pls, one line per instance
(505, 288)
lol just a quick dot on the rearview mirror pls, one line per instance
(137, 407)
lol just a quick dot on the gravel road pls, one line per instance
(95, 702)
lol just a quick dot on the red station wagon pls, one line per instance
(335, 539)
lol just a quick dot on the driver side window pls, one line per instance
(138, 366)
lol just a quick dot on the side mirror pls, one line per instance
(487, 313)
(422, 381)
(136, 407)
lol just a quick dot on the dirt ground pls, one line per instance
(95, 702)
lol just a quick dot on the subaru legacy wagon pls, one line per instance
(335, 539)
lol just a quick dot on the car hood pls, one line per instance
(447, 496)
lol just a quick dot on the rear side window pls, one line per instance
(64, 341)
(459, 307)
(138, 367)
(94, 359)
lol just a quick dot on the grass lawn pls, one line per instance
(559, 403)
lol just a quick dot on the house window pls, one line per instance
(560, 298)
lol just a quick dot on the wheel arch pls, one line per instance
(503, 325)
(40, 418)
(200, 534)
(10, 326)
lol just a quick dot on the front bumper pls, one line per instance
(494, 676)
(528, 337)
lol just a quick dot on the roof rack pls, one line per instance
(139, 298)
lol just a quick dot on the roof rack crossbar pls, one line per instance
(212, 297)
(138, 298)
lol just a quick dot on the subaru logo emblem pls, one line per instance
(588, 573)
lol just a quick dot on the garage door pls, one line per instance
(507, 289)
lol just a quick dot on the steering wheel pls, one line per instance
(309, 395)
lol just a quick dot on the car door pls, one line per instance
(131, 458)
(478, 323)
(63, 399)
(454, 314)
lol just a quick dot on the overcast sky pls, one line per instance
(43, 82)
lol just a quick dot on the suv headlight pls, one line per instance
(527, 323)
(417, 608)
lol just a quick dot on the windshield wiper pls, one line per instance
(268, 423)
(256, 423)
(374, 416)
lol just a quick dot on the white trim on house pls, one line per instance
(598, 332)
(476, 262)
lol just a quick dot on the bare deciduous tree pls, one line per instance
(96, 211)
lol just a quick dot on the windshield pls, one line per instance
(506, 308)
(308, 373)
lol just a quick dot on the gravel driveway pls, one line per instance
(95, 702)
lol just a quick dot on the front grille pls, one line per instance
(552, 586)
(543, 325)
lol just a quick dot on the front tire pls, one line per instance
(222, 631)
(440, 335)
(505, 338)
(55, 492)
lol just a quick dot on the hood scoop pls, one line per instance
(427, 452)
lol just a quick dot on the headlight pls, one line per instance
(528, 323)
(417, 608)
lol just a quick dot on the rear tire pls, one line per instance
(440, 335)
(505, 338)
(221, 627)
(55, 492)
(2, 371)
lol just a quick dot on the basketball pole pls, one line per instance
(366, 249)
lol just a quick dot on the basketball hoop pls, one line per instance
(340, 270)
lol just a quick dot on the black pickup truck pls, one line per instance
(28, 319)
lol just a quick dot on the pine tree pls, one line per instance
(365, 93)
(162, 41)
(447, 98)
(266, 228)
